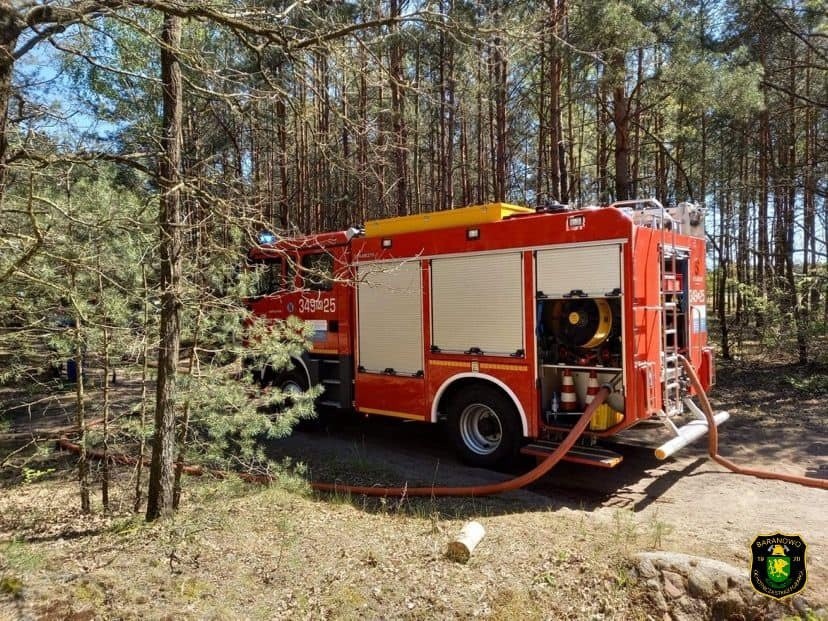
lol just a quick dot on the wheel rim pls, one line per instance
(291, 387)
(480, 429)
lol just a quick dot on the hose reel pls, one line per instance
(582, 322)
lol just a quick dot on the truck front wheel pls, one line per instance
(485, 426)
(292, 382)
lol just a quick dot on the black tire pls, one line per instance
(485, 426)
(286, 381)
(292, 380)
(296, 380)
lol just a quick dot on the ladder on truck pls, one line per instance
(653, 214)
(672, 313)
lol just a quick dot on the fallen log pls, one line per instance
(461, 548)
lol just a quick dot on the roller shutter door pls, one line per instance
(477, 303)
(390, 301)
(595, 270)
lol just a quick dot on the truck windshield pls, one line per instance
(317, 271)
(270, 276)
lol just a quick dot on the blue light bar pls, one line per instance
(266, 237)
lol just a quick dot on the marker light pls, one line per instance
(266, 237)
(472, 233)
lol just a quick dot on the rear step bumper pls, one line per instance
(586, 455)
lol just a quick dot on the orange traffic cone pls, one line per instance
(592, 388)
(568, 400)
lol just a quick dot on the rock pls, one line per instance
(646, 569)
(684, 602)
(756, 600)
(720, 582)
(680, 609)
(673, 584)
(700, 585)
(755, 612)
(657, 598)
(801, 604)
(728, 606)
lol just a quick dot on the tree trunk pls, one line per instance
(9, 34)
(448, 163)
(139, 466)
(501, 75)
(556, 186)
(621, 121)
(541, 190)
(465, 183)
(395, 79)
(417, 195)
(281, 157)
(722, 307)
(80, 406)
(362, 143)
(482, 181)
(635, 111)
(185, 419)
(799, 305)
(161, 487)
(574, 185)
(601, 147)
(105, 390)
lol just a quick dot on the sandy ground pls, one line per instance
(700, 507)
(314, 558)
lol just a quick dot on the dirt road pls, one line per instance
(686, 503)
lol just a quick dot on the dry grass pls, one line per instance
(240, 552)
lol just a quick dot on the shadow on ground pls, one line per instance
(385, 452)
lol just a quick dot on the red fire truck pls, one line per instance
(501, 320)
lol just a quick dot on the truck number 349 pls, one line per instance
(323, 305)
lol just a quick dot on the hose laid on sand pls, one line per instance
(483, 490)
(533, 475)
(713, 441)
(126, 460)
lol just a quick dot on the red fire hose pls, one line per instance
(713, 441)
(512, 484)
(470, 490)
(126, 460)
(483, 490)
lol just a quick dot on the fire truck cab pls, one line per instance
(501, 321)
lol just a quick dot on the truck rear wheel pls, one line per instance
(484, 426)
